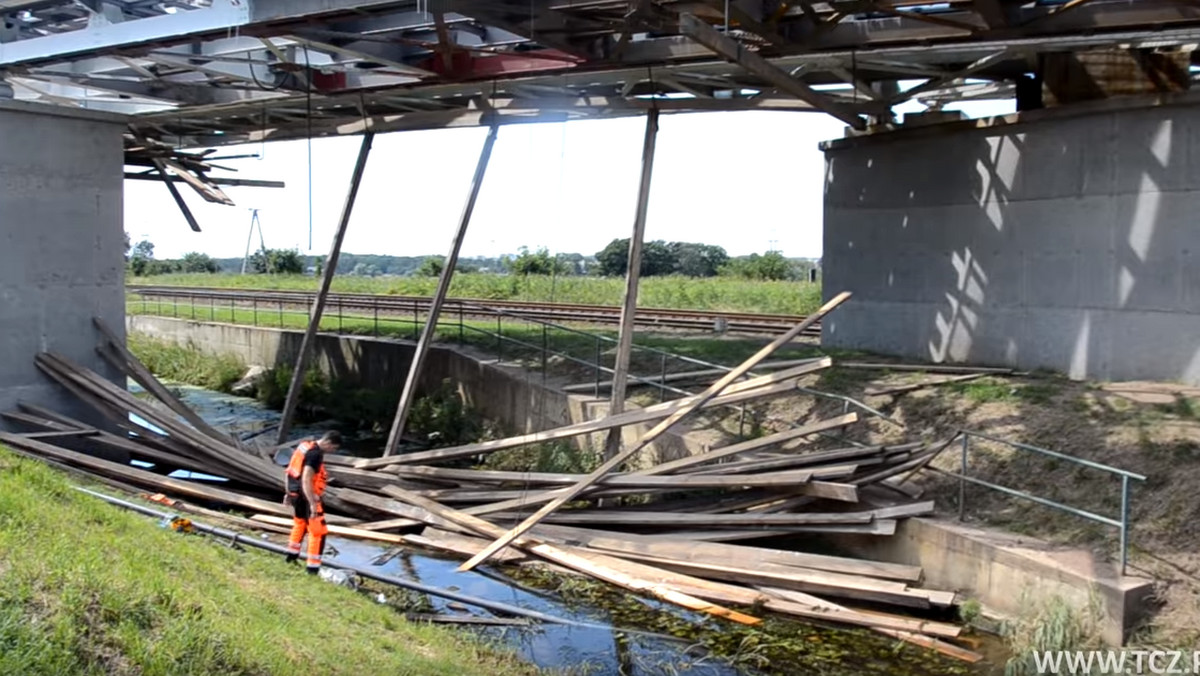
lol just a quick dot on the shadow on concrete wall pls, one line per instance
(1063, 244)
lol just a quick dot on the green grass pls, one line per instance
(712, 293)
(522, 340)
(87, 588)
(186, 363)
(985, 390)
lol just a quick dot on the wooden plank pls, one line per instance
(234, 464)
(416, 366)
(584, 564)
(929, 368)
(902, 389)
(751, 389)
(689, 482)
(123, 359)
(388, 524)
(673, 520)
(300, 370)
(356, 533)
(142, 477)
(633, 275)
(800, 460)
(723, 554)
(648, 438)
(845, 586)
(750, 445)
(547, 496)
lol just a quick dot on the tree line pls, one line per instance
(659, 258)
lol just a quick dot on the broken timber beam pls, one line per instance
(613, 462)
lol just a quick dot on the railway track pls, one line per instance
(647, 318)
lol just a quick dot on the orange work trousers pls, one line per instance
(305, 522)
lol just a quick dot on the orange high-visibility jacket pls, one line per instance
(295, 470)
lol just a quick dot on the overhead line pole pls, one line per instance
(632, 279)
(314, 320)
(439, 297)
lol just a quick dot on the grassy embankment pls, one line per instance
(686, 293)
(87, 588)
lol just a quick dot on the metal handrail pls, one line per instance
(1122, 524)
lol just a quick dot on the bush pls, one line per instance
(442, 418)
(277, 262)
(196, 262)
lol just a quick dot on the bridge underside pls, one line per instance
(1065, 242)
(1025, 243)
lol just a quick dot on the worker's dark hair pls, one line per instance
(333, 436)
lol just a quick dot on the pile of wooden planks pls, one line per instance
(676, 530)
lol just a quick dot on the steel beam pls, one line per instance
(731, 50)
(632, 276)
(408, 394)
(314, 320)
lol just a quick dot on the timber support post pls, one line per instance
(314, 320)
(439, 297)
(632, 278)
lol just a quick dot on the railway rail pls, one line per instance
(647, 318)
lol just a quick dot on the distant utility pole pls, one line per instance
(249, 235)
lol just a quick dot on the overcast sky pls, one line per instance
(745, 181)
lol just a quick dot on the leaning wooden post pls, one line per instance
(632, 277)
(439, 296)
(615, 461)
(314, 320)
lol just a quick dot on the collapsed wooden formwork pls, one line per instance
(677, 541)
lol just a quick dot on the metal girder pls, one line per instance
(729, 49)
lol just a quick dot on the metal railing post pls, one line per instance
(281, 314)
(499, 341)
(417, 321)
(461, 325)
(962, 482)
(256, 312)
(375, 309)
(192, 302)
(339, 314)
(596, 392)
(175, 306)
(662, 383)
(544, 356)
(212, 309)
(1124, 522)
(233, 311)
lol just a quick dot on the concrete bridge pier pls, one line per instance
(61, 245)
(1065, 239)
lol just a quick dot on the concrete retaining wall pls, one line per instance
(1011, 575)
(61, 246)
(1065, 242)
(509, 395)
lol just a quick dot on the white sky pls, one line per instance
(746, 181)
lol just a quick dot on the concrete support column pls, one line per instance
(61, 246)
(1059, 239)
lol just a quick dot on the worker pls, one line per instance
(304, 485)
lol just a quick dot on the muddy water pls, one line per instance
(624, 635)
